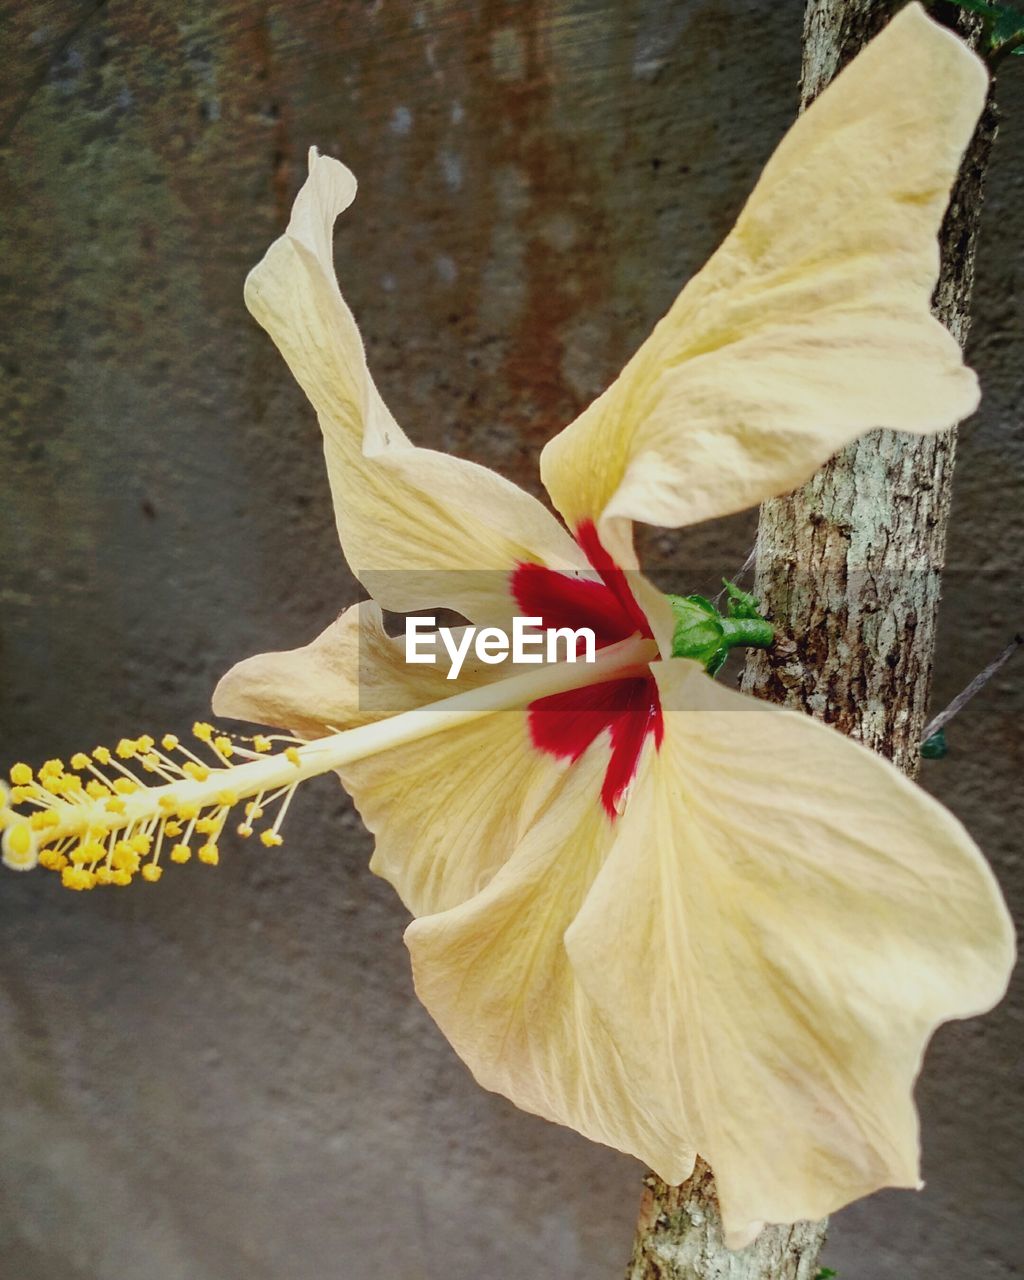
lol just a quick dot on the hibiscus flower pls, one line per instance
(675, 918)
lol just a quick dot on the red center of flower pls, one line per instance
(565, 724)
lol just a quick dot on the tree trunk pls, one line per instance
(849, 571)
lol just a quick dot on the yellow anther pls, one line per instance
(19, 846)
(77, 878)
(93, 834)
(124, 857)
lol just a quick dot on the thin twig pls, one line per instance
(976, 685)
(747, 564)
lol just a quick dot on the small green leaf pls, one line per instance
(1004, 24)
(1007, 27)
(935, 747)
(741, 603)
(986, 9)
(983, 7)
(825, 1273)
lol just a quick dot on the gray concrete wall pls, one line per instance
(229, 1075)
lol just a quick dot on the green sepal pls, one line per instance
(698, 633)
(706, 635)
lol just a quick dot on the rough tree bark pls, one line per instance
(849, 569)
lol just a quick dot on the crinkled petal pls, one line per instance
(781, 924)
(446, 811)
(351, 674)
(495, 976)
(419, 528)
(811, 324)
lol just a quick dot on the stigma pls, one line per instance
(113, 815)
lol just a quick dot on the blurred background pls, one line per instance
(229, 1075)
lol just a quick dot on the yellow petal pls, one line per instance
(446, 812)
(412, 522)
(811, 324)
(351, 674)
(782, 923)
(495, 976)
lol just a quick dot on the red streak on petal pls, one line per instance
(565, 724)
(562, 601)
(614, 577)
